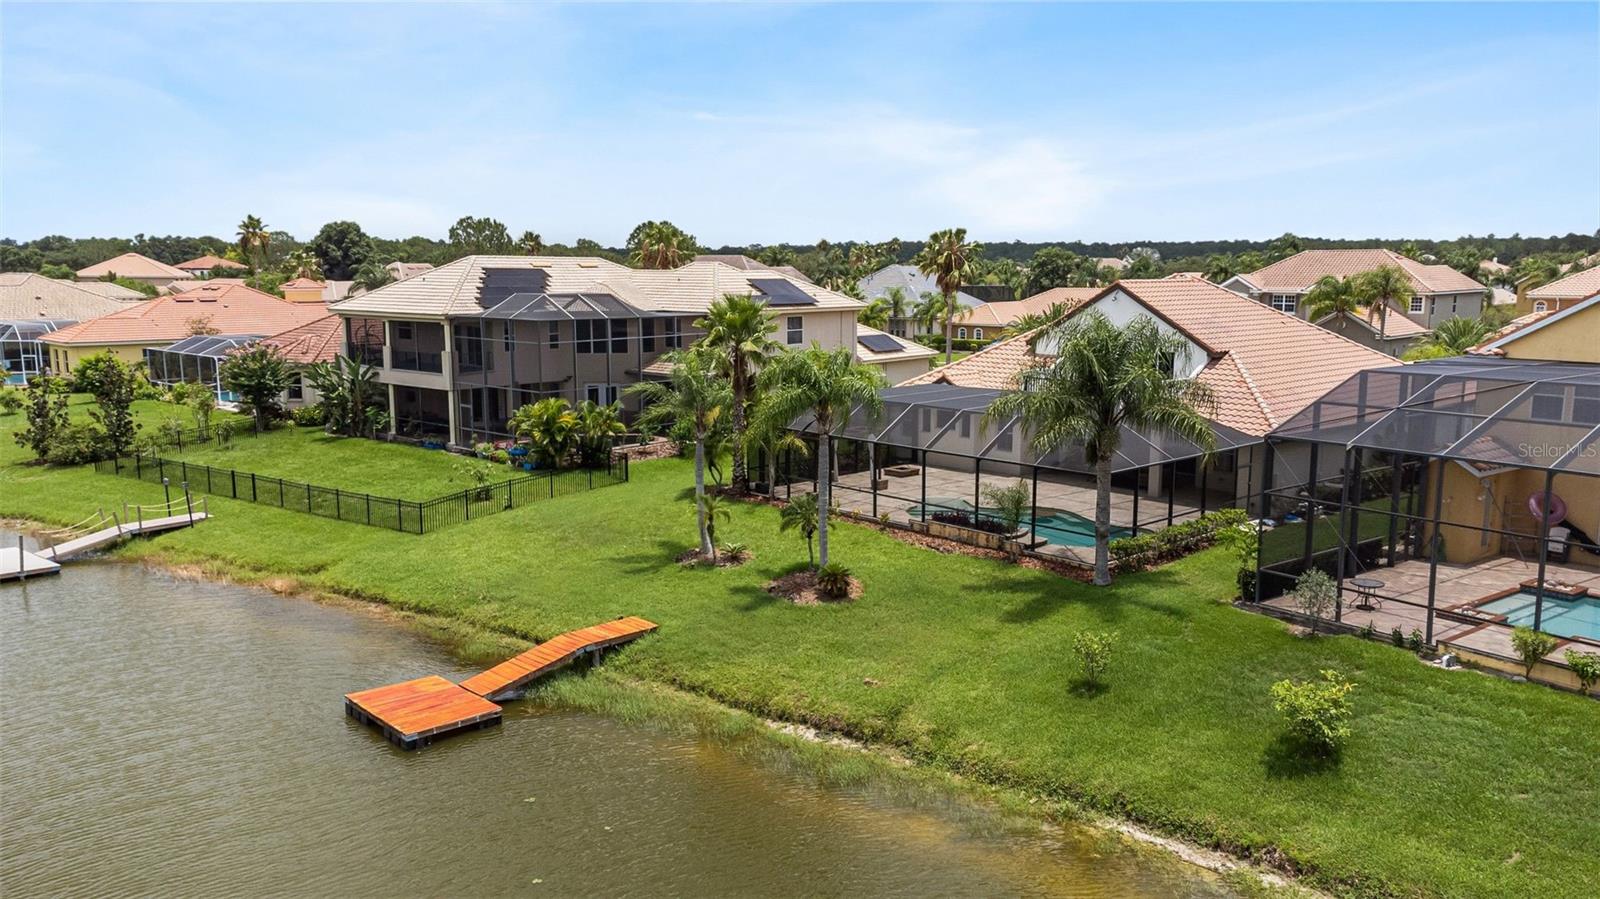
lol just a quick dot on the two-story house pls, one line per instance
(1439, 292)
(460, 347)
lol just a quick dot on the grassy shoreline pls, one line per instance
(1455, 783)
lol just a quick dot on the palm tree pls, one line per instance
(303, 263)
(1451, 337)
(551, 427)
(739, 329)
(826, 384)
(662, 245)
(1384, 288)
(1102, 379)
(350, 393)
(372, 275)
(530, 243)
(1330, 296)
(693, 399)
(1219, 268)
(899, 304)
(716, 511)
(770, 434)
(931, 311)
(253, 241)
(800, 513)
(597, 426)
(875, 314)
(949, 259)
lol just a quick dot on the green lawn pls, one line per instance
(1454, 783)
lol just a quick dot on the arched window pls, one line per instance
(961, 333)
(977, 333)
(1540, 306)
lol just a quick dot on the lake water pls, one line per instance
(169, 737)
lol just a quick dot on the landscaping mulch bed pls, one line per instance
(693, 558)
(800, 588)
(660, 448)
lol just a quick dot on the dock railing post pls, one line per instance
(188, 502)
(22, 561)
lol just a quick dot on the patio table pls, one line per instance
(1367, 592)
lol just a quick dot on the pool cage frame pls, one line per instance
(1368, 469)
(943, 427)
(20, 346)
(197, 359)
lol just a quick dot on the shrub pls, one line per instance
(833, 581)
(90, 374)
(10, 401)
(224, 431)
(482, 450)
(46, 401)
(1093, 650)
(1397, 638)
(1010, 503)
(76, 444)
(499, 456)
(1368, 632)
(310, 416)
(1315, 594)
(1140, 551)
(1317, 712)
(735, 552)
(1414, 641)
(1531, 646)
(1586, 667)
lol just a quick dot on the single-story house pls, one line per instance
(32, 306)
(990, 321)
(318, 340)
(135, 268)
(1393, 336)
(202, 266)
(1562, 293)
(1439, 291)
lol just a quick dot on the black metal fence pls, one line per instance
(410, 516)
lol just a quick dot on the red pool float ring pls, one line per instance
(1557, 512)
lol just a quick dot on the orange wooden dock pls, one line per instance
(416, 712)
(509, 677)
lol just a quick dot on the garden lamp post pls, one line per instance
(166, 490)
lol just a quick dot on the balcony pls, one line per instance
(416, 360)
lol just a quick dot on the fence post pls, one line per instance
(369, 508)
(233, 481)
(252, 486)
(466, 504)
(590, 473)
(138, 468)
(280, 492)
(308, 499)
(510, 500)
(552, 478)
(338, 504)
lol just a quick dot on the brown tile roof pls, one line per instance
(1575, 286)
(208, 262)
(132, 265)
(318, 340)
(1265, 365)
(29, 296)
(227, 308)
(1395, 325)
(1001, 314)
(1299, 272)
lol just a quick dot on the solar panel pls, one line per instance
(782, 293)
(879, 343)
(500, 283)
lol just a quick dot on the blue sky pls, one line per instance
(789, 123)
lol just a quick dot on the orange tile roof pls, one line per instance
(302, 284)
(1265, 365)
(1001, 314)
(133, 265)
(318, 340)
(1575, 286)
(226, 308)
(208, 262)
(1299, 272)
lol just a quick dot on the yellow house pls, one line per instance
(1560, 294)
(304, 290)
(1570, 333)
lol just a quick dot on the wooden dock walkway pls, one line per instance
(414, 713)
(94, 532)
(18, 564)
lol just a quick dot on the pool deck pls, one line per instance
(1404, 599)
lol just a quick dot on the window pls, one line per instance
(674, 335)
(554, 340)
(297, 387)
(1586, 404)
(1549, 406)
(1418, 305)
(795, 330)
(471, 352)
(1285, 302)
(1453, 302)
(403, 331)
(977, 333)
(508, 336)
(647, 335)
(585, 330)
(1540, 306)
(961, 333)
(601, 394)
(619, 335)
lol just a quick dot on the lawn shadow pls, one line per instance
(665, 554)
(1083, 688)
(1110, 604)
(1286, 758)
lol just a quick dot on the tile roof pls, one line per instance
(404, 270)
(227, 308)
(1003, 314)
(208, 262)
(452, 289)
(28, 296)
(318, 340)
(746, 264)
(1580, 284)
(133, 265)
(1265, 365)
(909, 349)
(1494, 344)
(1111, 262)
(302, 284)
(910, 279)
(1299, 272)
(1395, 325)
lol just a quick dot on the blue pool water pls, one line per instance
(1053, 526)
(1562, 617)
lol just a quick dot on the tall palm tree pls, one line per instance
(303, 263)
(899, 304)
(1331, 295)
(950, 260)
(253, 240)
(739, 329)
(692, 399)
(1384, 289)
(933, 309)
(662, 245)
(1033, 321)
(825, 384)
(1451, 337)
(1219, 268)
(1104, 378)
(530, 243)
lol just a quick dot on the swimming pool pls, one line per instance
(1563, 617)
(1056, 526)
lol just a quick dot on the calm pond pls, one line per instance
(168, 737)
